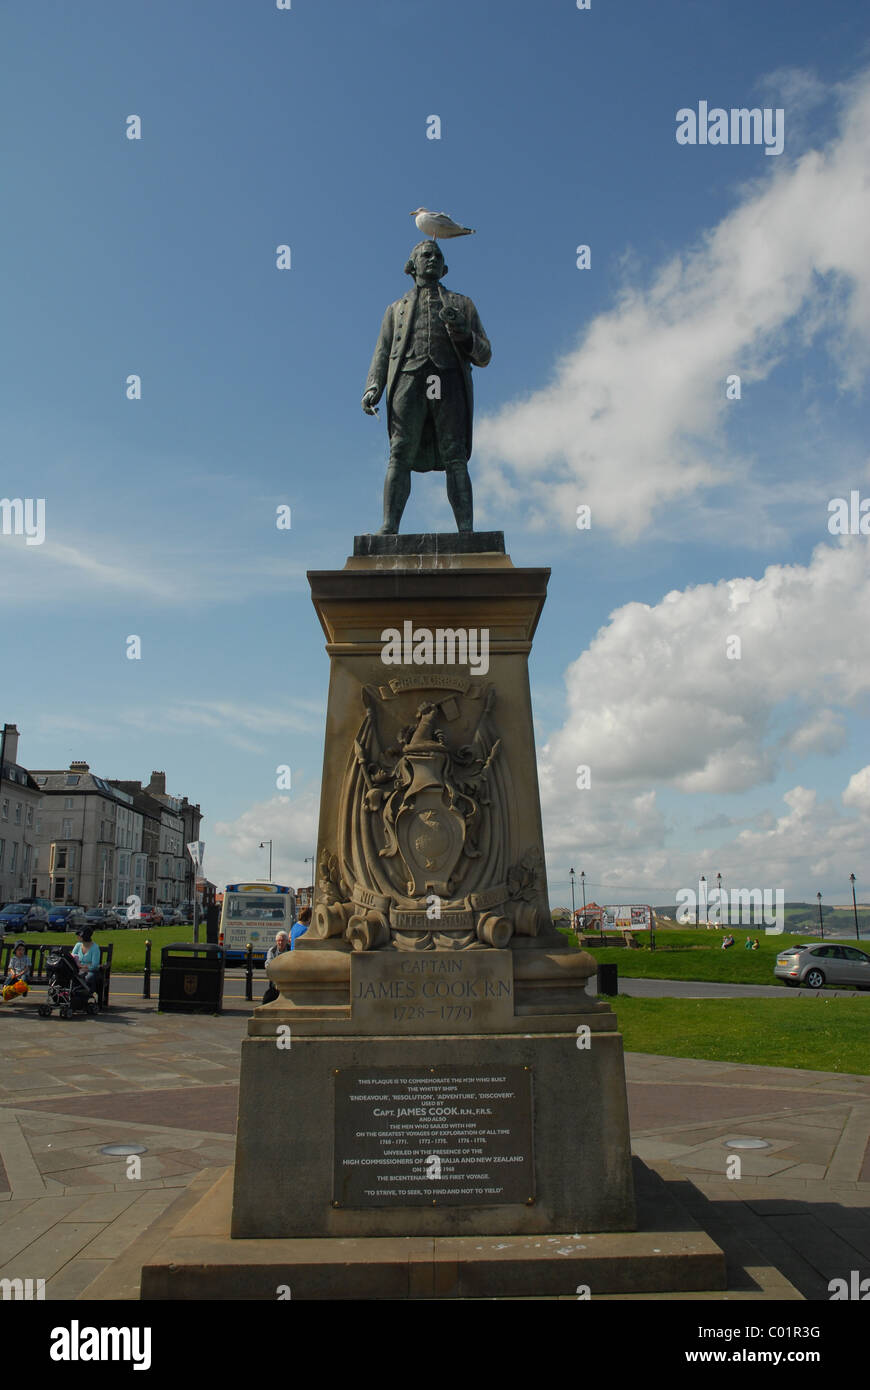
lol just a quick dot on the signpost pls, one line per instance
(196, 850)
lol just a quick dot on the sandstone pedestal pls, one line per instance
(433, 1083)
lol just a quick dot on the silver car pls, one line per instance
(823, 963)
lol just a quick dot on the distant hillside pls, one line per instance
(805, 917)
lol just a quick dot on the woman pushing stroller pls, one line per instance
(74, 977)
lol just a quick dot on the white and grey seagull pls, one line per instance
(438, 224)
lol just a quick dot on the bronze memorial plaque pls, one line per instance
(433, 1136)
(432, 992)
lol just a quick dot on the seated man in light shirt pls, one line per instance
(282, 944)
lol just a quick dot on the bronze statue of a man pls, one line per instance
(427, 344)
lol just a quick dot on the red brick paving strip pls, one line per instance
(652, 1104)
(214, 1108)
(209, 1108)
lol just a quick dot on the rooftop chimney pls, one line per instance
(10, 746)
(157, 785)
(79, 767)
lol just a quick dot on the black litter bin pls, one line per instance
(191, 979)
(607, 979)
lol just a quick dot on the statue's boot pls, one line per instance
(460, 496)
(397, 488)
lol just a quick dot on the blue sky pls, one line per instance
(308, 127)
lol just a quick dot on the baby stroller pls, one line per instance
(67, 990)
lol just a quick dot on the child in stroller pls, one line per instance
(67, 990)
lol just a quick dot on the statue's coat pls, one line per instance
(392, 347)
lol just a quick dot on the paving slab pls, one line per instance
(103, 1206)
(28, 1225)
(54, 1248)
(75, 1276)
(822, 1248)
(111, 1242)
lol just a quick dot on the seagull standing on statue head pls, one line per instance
(438, 224)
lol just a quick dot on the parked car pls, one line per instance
(823, 963)
(120, 910)
(65, 918)
(151, 917)
(23, 917)
(101, 919)
(173, 916)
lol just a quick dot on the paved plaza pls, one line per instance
(798, 1216)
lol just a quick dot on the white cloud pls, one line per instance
(634, 417)
(823, 732)
(810, 843)
(243, 726)
(290, 822)
(655, 700)
(70, 574)
(857, 793)
(249, 727)
(809, 847)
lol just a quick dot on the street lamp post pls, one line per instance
(309, 859)
(263, 844)
(701, 880)
(719, 899)
(573, 916)
(583, 886)
(821, 922)
(854, 907)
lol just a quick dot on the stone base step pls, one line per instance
(669, 1253)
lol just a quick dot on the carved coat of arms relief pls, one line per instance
(426, 852)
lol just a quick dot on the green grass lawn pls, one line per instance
(799, 1031)
(698, 955)
(128, 956)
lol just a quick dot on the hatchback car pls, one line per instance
(823, 963)
(151, 917)
(66, 918)
(101, 918)
(23, 917)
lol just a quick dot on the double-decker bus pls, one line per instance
(255, 912)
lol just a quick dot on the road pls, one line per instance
(234, 988)
(707, 989)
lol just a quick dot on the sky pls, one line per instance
(709, 515)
